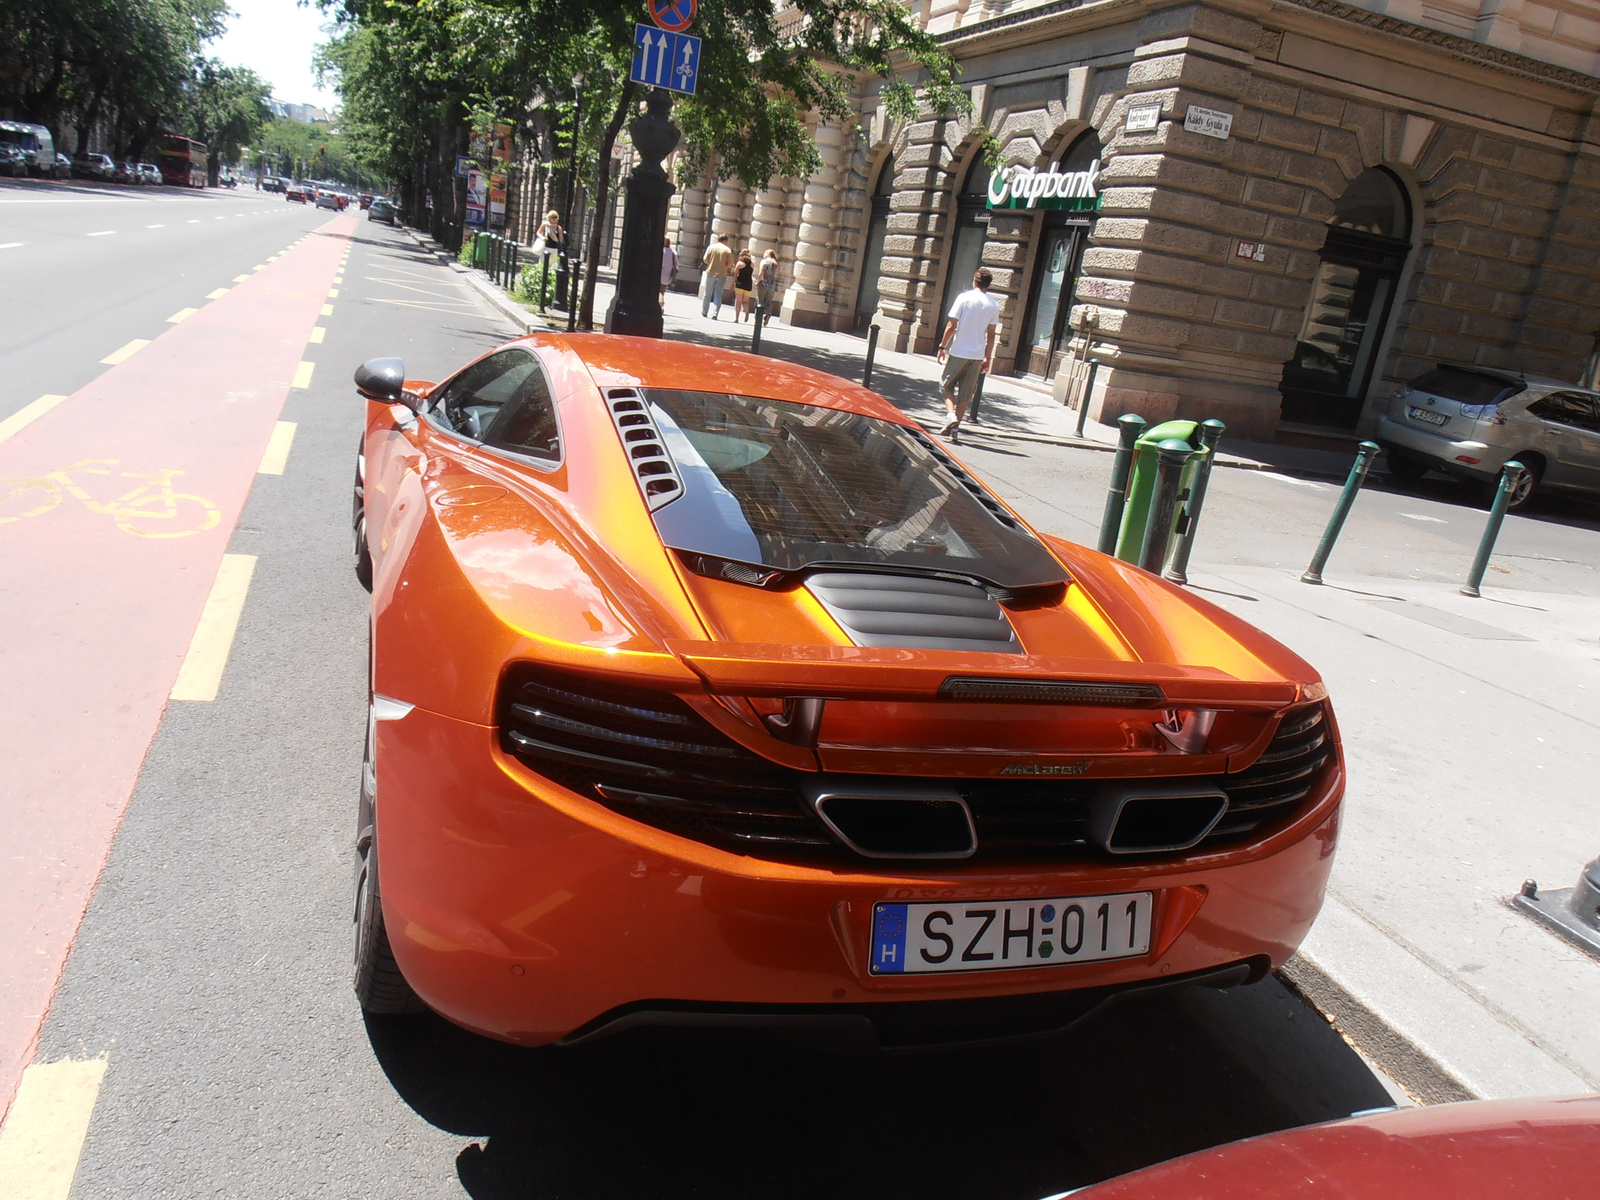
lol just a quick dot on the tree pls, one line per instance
(228, 109)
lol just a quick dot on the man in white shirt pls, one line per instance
(967, 347)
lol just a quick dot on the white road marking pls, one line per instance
(1305, 483)
(11, 245)
(201, 673)
(302, 375)
(27, 415)
(155, 226)
(101, 233)
(127, 352)
(42, 1139)
(1421, 517)
(194, 220)
(277, 453)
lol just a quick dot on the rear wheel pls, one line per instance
(1403, 466)
(1524, 492)
(380, 986)
(363, 554)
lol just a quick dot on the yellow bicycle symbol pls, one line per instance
(150, 510)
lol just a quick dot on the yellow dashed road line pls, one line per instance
(302, 375)
(333, 293)
(277, 456)
(183, 314)
(327, 310)
(27, 415)
(241, 278)
(201, 673)
(126, 352)
(217, 295)
(42, 1139)
(318, 333)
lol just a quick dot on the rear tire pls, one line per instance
(1524, 494)
(1403, 466)
(380, 986)
(363, 553)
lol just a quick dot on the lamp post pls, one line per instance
(572, 183)
(636, 306)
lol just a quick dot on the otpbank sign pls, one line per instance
(1027, 187)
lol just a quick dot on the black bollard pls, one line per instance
(872, 353)
(755, 329)
(1129, 427)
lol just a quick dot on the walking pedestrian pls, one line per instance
(669, 268)
(744, 283)
(767, 283)
(718, 258)
(967, 348)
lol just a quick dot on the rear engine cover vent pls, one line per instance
(905, 610)
(641, 441)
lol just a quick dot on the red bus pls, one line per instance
(182, 161)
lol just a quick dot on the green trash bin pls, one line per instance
(1142, 483)
(480, 249)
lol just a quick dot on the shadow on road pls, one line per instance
(675, 1113)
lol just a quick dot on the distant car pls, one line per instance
(298, 192)
(274, 183)
(366, 199)
(1477, 1150)
(93, 166)
(1470, 421)
(125, 173)
(13, 160)
(150, 173)
(381, 210)
(63, 166)
(329, 200)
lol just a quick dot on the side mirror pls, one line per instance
(383, 380)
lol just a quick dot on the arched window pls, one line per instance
(971, 230)
(867, 296)
(1352, 296)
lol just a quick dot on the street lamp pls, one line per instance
(578, 79)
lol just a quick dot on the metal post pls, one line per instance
(1129, 427)
(572, 295)
(1358, 475)
(1088, 390)
(515, 265)
(872, 353)
(1171, 456)
(1210, 434)
(1509, 474)
(755, 329)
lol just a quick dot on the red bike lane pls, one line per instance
(99, 600)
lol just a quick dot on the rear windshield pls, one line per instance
(1469, 387)
(788, 486)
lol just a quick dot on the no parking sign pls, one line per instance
(672, 15)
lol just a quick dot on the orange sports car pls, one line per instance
(710, 690)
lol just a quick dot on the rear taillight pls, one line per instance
(1478, 410)
(1401, 392)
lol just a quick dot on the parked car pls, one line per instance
(297, 192)
(1476, 1150)
(124, 172)
(63, 166)
(1470, 421)
(150, 173)
(329, 200)
(34, 141)
(274, 183)
(381, 210)
(760, 707)
(13, 160)
(93, 166)
(366, 199)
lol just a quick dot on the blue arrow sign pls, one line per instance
(667, 60)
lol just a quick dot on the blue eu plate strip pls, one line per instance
(888, 939)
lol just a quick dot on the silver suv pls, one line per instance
(1469, 421)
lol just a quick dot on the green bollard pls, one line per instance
(1129, 427)
(1210, 434)
(1172, 456)
(1509, 474)
(1358, 474)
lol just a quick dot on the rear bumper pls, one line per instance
(522, 911)
(1443, 452)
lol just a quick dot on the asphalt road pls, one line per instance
(212, 968)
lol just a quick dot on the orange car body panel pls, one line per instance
(524, 910)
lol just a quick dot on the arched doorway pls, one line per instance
(1326, 381)
(867, 296)
(970, 231)
(1063, 233)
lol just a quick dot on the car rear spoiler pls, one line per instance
(887, 673)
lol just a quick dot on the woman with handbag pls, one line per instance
(547, 246)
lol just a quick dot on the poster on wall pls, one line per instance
(477, 197)
(497, 200)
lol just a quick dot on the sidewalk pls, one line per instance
(1470, 729)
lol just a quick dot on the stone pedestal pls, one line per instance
(636, 307)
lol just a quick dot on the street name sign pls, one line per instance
(664, 59)
(1142, 118)
(1208, 121)
(672, 15)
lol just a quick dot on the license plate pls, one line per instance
(996, 935)
(1428, 418)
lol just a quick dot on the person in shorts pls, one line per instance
(744, 283)
(767, 283)
(967, 348)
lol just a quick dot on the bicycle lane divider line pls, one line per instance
(42, 1137)
(115, 511)
(200, 677)
(27, 415)
(126, 352)
(276, 458)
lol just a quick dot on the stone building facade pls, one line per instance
(1292, 205)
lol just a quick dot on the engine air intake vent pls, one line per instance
(647, 453)
(1271, 787)
(909, 610)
